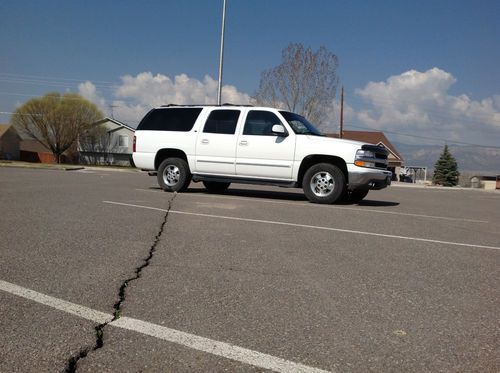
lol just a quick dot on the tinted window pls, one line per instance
(222, 121)
(299, 124)
(176, 119)
(260, 123)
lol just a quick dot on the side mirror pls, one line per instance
(279, 129)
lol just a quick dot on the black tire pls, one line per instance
(324, 183)
(174, 175)
(216, 186)
(357, 195)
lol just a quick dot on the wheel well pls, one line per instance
(168, 153)
(318, 158)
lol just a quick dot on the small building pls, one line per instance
(110, 144)
(485, 182)
(33, 151)
(9, 142)
(395, 160)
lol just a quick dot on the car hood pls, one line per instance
(332, 140)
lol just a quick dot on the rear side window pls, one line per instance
(175, 119)
(260, 123)
(222, 121)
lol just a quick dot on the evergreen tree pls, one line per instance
(446, 169)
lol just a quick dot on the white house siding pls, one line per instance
(118, 146)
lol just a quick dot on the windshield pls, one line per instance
(300, 125)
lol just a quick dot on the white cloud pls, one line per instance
(413, 102)
(136, 95)
(89, 91)
(332, 124)
(420, 103)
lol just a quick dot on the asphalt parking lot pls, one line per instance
(257, 279)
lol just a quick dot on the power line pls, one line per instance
(131, 101)
(53, 83)
(10, 113)
(434, 110)
(55, 78)
(427, 137)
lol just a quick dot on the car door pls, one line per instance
(216, 143)
(261, 153)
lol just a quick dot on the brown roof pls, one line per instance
(4, 128)
(33, 146)
(371, 137)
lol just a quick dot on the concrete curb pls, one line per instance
(436, 187)
(62, 167)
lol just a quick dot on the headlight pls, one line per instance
(365, 154)
(365, 158)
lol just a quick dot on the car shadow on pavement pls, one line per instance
(279, 195)
(252, 193)
(372, 203)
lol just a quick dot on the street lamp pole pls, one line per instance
(219, 90)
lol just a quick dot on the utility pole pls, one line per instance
(342, 112)
(111, 107)
(219, 90)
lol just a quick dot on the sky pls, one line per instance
(422, 71)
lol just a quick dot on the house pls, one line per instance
(33, 151)
(485, 182)
(9, 142)
(110, 142)
(395, 160)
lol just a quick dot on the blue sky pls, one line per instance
(447, 49)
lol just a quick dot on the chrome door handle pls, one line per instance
(204, 141)
(244, 142)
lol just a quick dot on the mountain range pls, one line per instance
(475, 159)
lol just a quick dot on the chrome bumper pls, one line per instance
(360, 177)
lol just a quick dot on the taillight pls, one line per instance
(133, 146)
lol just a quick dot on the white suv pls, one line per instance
(219, 145)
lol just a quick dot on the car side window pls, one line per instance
(170, 119)
(260, 123)
(222, 121)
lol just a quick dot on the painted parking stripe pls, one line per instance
(59, 304)
(222, 349)
(305, 226)
(210, 346)
(324, 206)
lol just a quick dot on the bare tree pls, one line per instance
(305, 82)
(95, 144)
(56, 121)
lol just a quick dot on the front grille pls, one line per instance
(381, 155)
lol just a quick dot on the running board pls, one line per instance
(241, 180)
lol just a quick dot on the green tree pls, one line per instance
(56, 121)
(446, 169)
(305, 82)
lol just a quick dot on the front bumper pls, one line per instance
(361, 178)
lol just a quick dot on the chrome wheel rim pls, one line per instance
(322, 184)
(171, 175)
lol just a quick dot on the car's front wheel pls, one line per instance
(324, 183)
(174, 175)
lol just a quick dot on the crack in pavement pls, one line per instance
(72, 363)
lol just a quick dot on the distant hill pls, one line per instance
(470, 158)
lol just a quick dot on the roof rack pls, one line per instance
(229, 104)
(195, 105)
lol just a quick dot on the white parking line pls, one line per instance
(325, 206)
(222, 349)
(305, 226)
(59, 304)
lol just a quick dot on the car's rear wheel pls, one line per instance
(324, 183)
(174, 175)
(216, 186)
